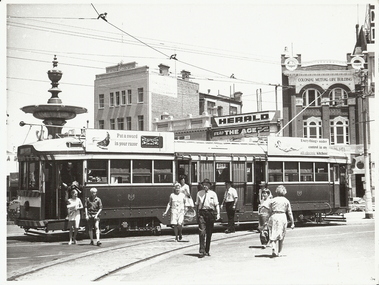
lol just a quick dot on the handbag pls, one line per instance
(189, 215)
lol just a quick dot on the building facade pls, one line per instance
(128, 97)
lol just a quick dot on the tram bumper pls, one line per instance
(46, 225)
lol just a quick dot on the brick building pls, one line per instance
(128, 97)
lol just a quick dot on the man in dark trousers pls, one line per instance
(230, 202)
(208, 212)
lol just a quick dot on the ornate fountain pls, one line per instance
(54, 114)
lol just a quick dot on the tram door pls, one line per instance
(50, 187)
(336, 193)
(58, 177)
(259, 175)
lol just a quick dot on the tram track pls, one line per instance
(104, 263)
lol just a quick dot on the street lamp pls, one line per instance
(368, 196)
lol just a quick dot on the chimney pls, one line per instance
(185, 74)
(165, 116)
(237, 96)
(163, 69)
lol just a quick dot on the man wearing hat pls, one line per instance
(93, 207)
(230, 202)
(208, 212)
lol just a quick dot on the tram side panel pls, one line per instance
(132, 207)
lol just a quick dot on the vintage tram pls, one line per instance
(134, 172)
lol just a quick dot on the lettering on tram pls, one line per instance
(134, 174)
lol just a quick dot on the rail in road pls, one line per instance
(98, 264)
(110, 262)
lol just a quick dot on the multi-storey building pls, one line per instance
(329, 100)
(128, 97)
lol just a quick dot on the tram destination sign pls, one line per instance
(128, 141)
(292, 146)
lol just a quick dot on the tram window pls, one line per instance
(163, 171)
(321, 171)
(24, 175)
(97, 171)
(249, 172)
(306, 171)
(141, 171)
(291, 171)
(183, 170)
(194, 172)
(222, 171)
(275, 171)
(120, 171)
(206, 170)
(239, 171)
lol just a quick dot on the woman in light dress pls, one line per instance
(264, 214)
(73, 207)
(280, 208)
(176, 204)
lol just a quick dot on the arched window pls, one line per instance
(312, 128)
(312, 97)
(339, 131)
(338, 96)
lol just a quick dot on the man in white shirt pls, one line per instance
(230, 202)
(208, 212)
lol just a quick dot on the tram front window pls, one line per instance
(30, 175)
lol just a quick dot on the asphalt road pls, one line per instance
(339, 253)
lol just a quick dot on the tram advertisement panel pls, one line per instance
(298, 146)
(129, 141)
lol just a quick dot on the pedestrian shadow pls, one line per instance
(192, 254)
(264, 255)
(173, 240)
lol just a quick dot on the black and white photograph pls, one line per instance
(190, 142)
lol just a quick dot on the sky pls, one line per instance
(211, 39)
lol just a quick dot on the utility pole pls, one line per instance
(368, 196)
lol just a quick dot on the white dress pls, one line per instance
(74, 207)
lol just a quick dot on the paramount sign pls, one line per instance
(243, 119)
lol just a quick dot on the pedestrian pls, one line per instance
(184, 188)
(176, 204)
(208, 212)
(230, 202)
(280, 207)
(93, 207)
(73, 207)
(263, 186)
(263, 215)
